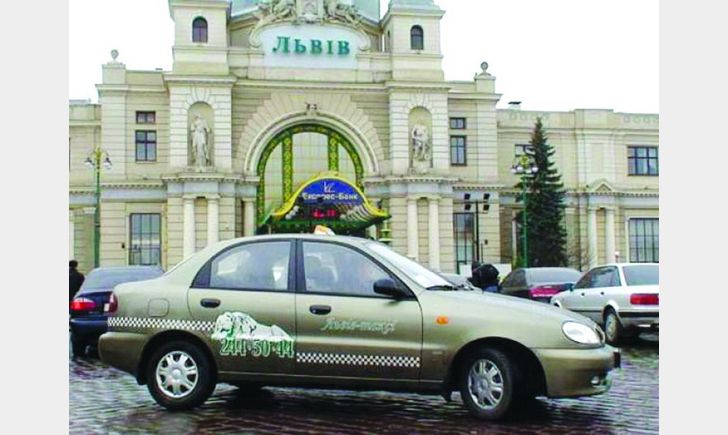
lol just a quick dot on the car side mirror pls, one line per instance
(387, 287)
(570, 287)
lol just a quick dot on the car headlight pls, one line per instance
(580, 333)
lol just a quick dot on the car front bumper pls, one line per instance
(578, 372)
(122, 350)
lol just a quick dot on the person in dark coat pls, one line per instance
(490, 279)
(485, 277)
(474, 276)
(75, 279)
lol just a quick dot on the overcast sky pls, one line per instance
(549, 54)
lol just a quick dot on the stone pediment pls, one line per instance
(601, 186)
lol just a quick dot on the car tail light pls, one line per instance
(82, 304)
(544, 291)
(644, 299)
(112, 305)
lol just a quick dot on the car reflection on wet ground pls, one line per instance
(105, 400)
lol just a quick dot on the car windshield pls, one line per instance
(107, 279)
(423, 276)
(548, 275)
(642, 275)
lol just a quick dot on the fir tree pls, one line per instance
(544, 205)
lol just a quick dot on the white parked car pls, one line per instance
(623, 298)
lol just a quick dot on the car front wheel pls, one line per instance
(488, 381)
(179, 376)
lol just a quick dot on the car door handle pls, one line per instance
(210, 303)
(602, 293)
(319, 310)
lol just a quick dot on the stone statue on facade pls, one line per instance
(200, 142)
(270, 11)
(420, 143)
(339, 10)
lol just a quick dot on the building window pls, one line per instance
(644, 240)
(457, 150)
(145, 240)
(417, 38)
(146, 146)
(522, 149)
(199, 30)
(146, 118)
(458, 124)
(463, 225)
(643, 160)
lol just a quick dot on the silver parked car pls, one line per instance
(623, 298)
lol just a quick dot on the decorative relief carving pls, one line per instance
(304, 11)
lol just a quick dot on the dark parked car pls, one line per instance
(88, 319)
(539, 283)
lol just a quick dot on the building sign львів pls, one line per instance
(310, 46)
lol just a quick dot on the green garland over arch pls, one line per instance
(285, 138)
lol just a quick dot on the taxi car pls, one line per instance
(344, 313)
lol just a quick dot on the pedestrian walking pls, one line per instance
(75, 279)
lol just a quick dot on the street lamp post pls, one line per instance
(94, 160)
(524, 166)
(486, 206)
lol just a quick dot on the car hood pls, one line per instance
(472, 316)
(519, 306)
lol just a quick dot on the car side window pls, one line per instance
(584, 282)
(336, 269)
(602, 277)
(253, 266)
(616, 282)
(519, 278)
(507, 280)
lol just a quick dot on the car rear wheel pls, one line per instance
(613, 330)
(78, 347)
(488, 383)
(179, 376)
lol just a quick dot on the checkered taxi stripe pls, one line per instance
(358, 360)
(151, 323)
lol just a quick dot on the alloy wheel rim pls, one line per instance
(611, 326)
(177, 374)
(485, 384)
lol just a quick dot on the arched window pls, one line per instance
(199, 30)
(417, 38)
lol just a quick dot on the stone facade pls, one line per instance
(370, 95)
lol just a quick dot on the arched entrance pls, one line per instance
(296, 155)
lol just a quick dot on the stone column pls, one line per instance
(610, 242)
(592, 237)
(213, 219)
(188, 233)
(413, 248)
(248, 217)
(434, 232)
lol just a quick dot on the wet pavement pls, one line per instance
(105, 400)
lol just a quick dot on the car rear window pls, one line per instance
(642, 275)
(551, 276)
(107, 279)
